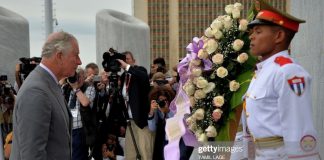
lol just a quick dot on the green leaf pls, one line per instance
(232, 115)
(223, 134)
(251, 12)
(244, 80)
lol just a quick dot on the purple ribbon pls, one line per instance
(183, 69)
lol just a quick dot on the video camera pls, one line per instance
(5, 90)
(3, 78)
(28, 64)
(161, 103)
(110, 63)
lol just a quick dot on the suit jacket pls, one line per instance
(41, 120)
(138, 90)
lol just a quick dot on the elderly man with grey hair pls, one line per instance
(42, 120)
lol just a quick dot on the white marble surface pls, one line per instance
(124, 33)
(14, 41)
(308, 49)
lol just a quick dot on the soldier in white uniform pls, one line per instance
(278, 103)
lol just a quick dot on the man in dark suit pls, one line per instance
(135, 90)
(42, 121)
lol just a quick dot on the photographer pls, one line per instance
(111, 148)
(135, 89)
(7, 100)
(24, 68)
(160, 97)
(109, 103)
(80, 100)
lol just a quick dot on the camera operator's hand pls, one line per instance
(89, 79)
(122, 131)
(75, 85)
(101, 86)
(106, 153)
(154, 106)
(17, 67)
(165, 109)
(123, 64)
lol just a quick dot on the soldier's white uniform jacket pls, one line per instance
(278, 104)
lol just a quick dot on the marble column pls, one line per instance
(14, 41)
(308, 48)
(123, 33)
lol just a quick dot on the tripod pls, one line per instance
(138, 155)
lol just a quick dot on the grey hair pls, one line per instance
(60, 42)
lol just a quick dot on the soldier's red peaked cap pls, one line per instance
(268, 15)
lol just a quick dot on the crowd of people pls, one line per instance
(63, 111)
(88, 107)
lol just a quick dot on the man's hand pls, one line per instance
(89, 79)
(123, 64)
(75, 85)
(18, 67)
(101, 86)
(154, 106)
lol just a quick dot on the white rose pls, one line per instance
(192, 101)
(201, 82)
(202, 138)
(209, 32)
(238, 6)
(199, 114)
(218, 58)
(198, 132)
(243, 57)
(195, 62)
(204, 38)
(211, 131)
(199, 94)
(234, 86)
(196, 72)
(217, 114)
(217, 34)
(189, 88)
(229, 8)
(243, 25)
(202, 54)
(221, 72)
(190, 121)
(236, 13)
(238, 44)
(193, 126)
(218, 101)
(210, 46)
(228, 22)
(210, 87)
(217, 24)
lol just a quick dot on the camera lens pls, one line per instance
(73, 79)
(160, 103)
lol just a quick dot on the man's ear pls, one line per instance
(280, 36)
(59, 56)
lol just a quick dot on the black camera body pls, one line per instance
(27, 66)
(3, 78)
(110, 147)
(6, 94)
(161, 103)
(74, 78)
(110, 63)
(161, 82)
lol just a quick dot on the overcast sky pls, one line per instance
(74, 16)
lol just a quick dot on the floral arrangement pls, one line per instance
(217, 74)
